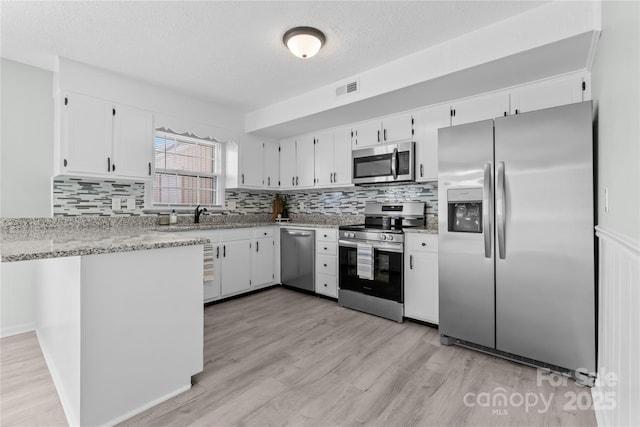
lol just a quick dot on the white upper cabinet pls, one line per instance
(395, 128)
(245, 163)
(305, 172)
(272, 165)
(324, 157)
(398, 127)
(132, 149)
(549, 94)
(342, 164)
(480, 108)
(101, 138)
(87, 126)
(251, 162)
(427, 123)
(333, 158)
(288, 163)
(366, 134)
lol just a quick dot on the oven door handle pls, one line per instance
(381, 246)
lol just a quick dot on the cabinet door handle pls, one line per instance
(242, 178)
(410, 262)
(108, 164)
(217, 251)
(330, 177)
(293, 181)
(149, 168)
(421, 170)
(378, 135)
(65, 163)
(224, 251)
(335, 178)
(269, 181)
(257, 246)
(297, 180)
(385, 135)
(113, 167)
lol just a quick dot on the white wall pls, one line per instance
(26, 156)
(615, 79)
(27, 141)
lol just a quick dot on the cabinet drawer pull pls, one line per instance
(325, 265)
(326, 248)
(424, 244)
(325, 285)
(411, 262)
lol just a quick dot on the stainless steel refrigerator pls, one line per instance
(516, 237)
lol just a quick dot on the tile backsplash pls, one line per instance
(346, 201)
(85, 196)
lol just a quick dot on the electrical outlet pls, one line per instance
(116, 204)
(131, 204)
(231, 205)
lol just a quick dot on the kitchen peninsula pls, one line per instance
(119, 313)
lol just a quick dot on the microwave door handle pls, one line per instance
(486, 209)
(394, 163)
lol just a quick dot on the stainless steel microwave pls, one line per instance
(384, 163)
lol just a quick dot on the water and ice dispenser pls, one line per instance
(464, 208)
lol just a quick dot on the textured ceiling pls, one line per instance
(231, 52)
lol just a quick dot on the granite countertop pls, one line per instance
(213, 226)
(22, 245)
(427, 229)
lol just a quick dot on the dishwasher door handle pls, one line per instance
(298, 233)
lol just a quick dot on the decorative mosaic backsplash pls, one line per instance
(348, 201)
(77, 197)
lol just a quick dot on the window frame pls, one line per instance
(218, 174)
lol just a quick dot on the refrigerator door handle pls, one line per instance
(501, 210)
(487, 198)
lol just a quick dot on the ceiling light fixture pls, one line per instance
(304, 42)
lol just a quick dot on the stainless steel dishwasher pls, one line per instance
(297, 258)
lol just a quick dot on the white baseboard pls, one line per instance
(7, 331)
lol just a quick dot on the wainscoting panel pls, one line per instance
(616, 396)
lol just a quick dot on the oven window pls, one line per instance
(387, 274)
(371, 166)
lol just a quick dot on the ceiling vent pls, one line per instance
(350, 87)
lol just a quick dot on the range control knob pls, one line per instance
(384, 237)
(390, 237)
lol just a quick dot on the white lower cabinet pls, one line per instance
(327, 262)
(262, 271)
(421, 277)
(236, 277)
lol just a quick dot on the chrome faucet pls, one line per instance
(198, 212)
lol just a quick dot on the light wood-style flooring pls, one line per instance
(281, 357)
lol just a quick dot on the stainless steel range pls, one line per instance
(371, 259)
